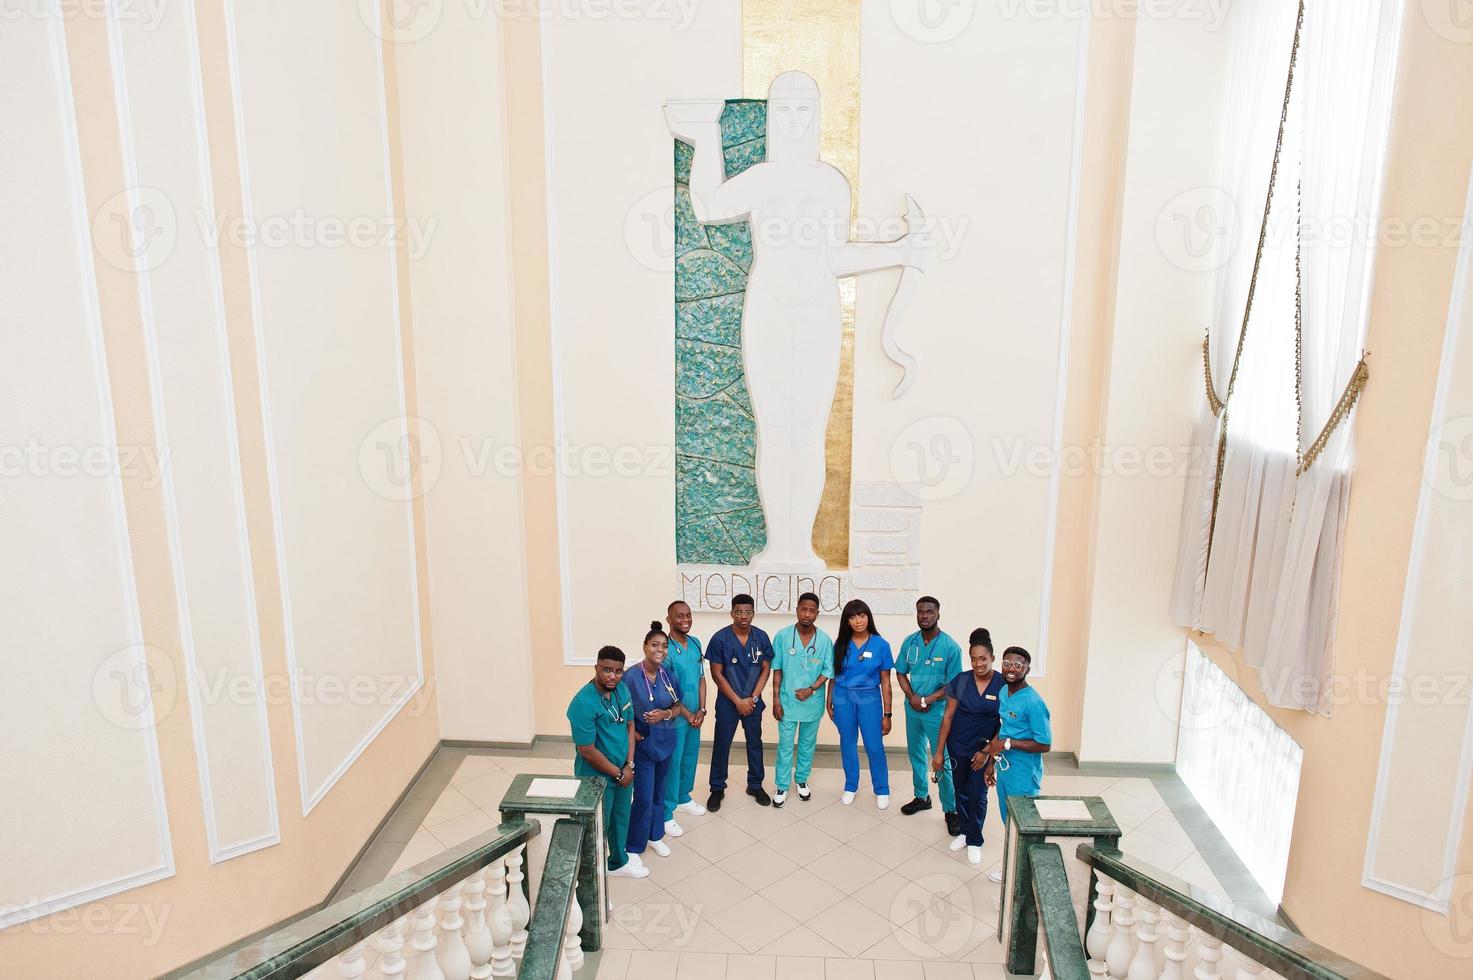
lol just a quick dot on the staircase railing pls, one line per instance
(501, 904)
(1140, 922)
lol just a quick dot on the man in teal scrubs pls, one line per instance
(928, 659)
(602, 721)
(1025, 735)
(803, 662)
(686, 661)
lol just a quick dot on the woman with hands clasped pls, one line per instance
(972, 720)
(656, 699)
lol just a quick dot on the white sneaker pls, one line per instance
(847, 798)
(693, 808)
(674, 829)
(779, 798)
(883, 802)
(636, 860)
(995, 876)
(957, 843)
(804, 793)
(630, 870)
(974, 855)
(663, 849)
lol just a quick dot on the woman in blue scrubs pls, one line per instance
(972, 720)
(655, 695)
(861, 702)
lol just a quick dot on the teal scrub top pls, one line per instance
(929, 665)
(802, 667)
(603, 722)
(1024, 715)
(688, 665)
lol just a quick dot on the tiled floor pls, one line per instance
(814, 889)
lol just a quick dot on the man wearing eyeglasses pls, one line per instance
(1024, 737)
(602, 722)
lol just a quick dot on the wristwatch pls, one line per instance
(923, 702)
(889, 714)
(1007, 745)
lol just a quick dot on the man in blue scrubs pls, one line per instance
(740, 656)
(928, 659)
(686, 661)
(1025, 735)
(602, 722)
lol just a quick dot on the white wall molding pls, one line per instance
(1437, 898)
(313, 792)
(37, 905)
(220, 850)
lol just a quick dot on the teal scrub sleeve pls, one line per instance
(1038, 722)
(582, 722)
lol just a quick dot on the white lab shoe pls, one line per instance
(693, 808)
(636, 860)
(674, 829)
(630, 870)
(957, 843)
(804, 793)
(780, 797)
(883, 802)
(995, 876)
(847, 798)
(663, 849)
(974, 855)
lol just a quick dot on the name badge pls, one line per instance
(992, 697)
(865, 655)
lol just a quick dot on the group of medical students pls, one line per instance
(969, 725)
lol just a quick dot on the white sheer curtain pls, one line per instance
(1271, 586)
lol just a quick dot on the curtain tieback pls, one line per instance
(1348, 397)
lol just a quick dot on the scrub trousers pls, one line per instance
(971, 795)
(806, 734)
(1009, 784)
(647, 814)
(922, 733)
(682, 768)
(861, 713)
(616, 821)
(727, 720)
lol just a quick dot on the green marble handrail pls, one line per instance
(300, 947)
(1056, 910)
(1285, 952)
(545, 930)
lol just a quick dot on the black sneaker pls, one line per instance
(916, 806)
(713, 802)
(760, 795)
(953, 825)
(804, 793)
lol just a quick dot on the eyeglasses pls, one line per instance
(1014, 663)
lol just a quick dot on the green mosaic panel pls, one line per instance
(718, 516)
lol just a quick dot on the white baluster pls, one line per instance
(1097, 968)
(516, 901)
(1122, 934)
(390, 945)
(453, 957)
(572, 942)
(1097, 940)
(423, 943)
(1175, 948)
(477, 933)
(351, 964)
(499, 921)
(1143, 964)
(1209, 952)
(1248, 969)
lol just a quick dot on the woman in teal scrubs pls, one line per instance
(658, 711)
(972, 720)
(860, 706)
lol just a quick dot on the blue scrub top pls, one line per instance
(659, 738)
(978, 715)
(862, 665)
(1024, 715)
(742, 665)
(930, 665)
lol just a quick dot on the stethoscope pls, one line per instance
(660, 678)
(614, 710)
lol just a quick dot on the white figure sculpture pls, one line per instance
(798, 207)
